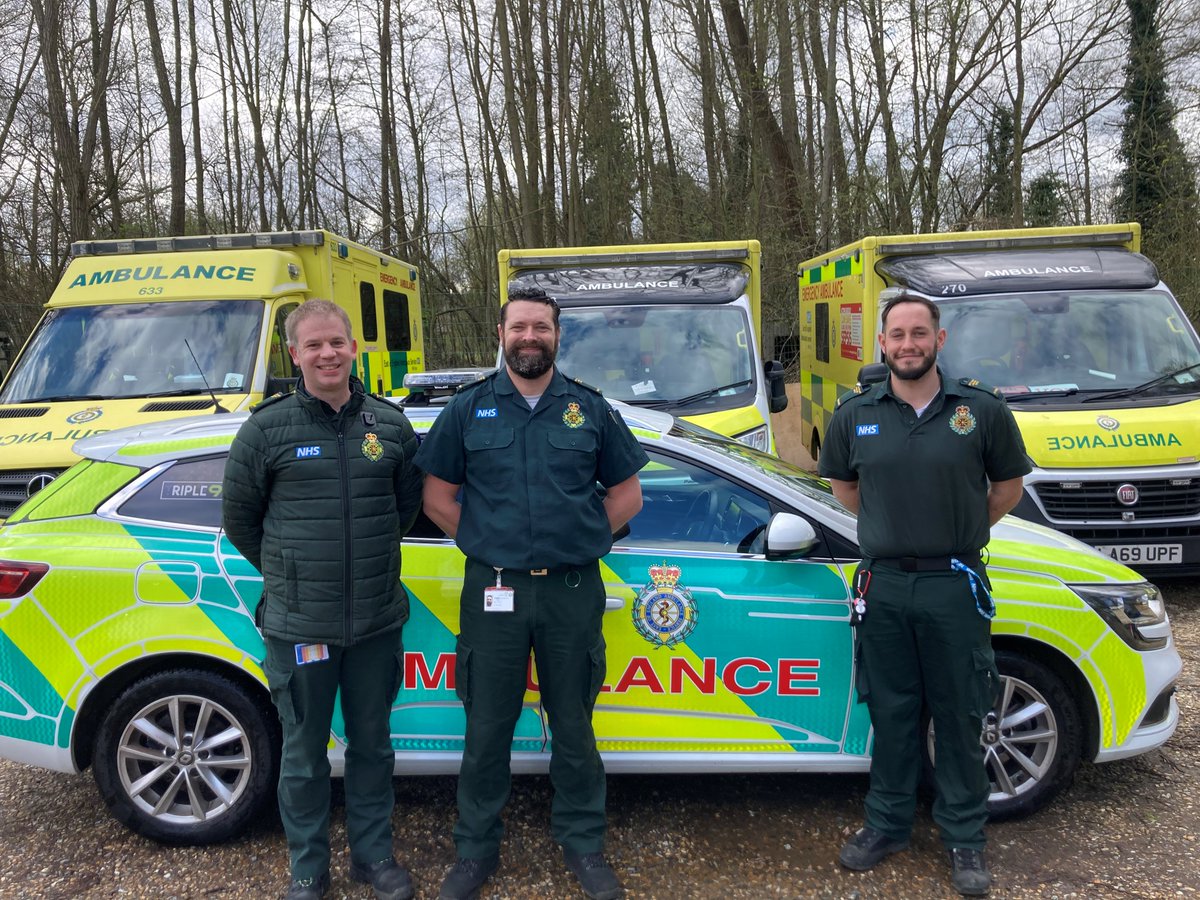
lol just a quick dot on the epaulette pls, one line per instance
(584, 384)
(470, 384)
(267, 401)
(391, 403)
(980, 386)
(849, 395)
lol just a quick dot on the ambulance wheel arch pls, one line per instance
(186, 755)
(1034, 746)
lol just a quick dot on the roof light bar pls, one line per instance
(442, 379)
(200, 242)
(899, 248)
(636, 256)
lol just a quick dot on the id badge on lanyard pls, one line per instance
(499, 598)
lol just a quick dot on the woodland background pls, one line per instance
(442, 130)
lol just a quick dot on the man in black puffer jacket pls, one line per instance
(318, 491)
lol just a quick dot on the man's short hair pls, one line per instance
(307, 310)
(533, 295)
(935, 311)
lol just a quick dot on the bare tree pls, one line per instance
(73, 84)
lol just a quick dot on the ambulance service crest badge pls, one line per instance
(573, 417)
(85, 415)
(371, 448)
(664, 612)
(962, 422)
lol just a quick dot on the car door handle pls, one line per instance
(611, 603)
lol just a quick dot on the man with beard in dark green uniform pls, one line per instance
(528, 447)
(929, 465)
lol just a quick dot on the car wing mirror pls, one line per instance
(777, 392)
(789, 536)
(279, 385)
(872, 373)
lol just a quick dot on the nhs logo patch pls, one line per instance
(307, 452)
(866, 430)
(486, 413)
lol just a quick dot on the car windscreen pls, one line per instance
(684, 359)
(772, 467)
(1050, 343)
(138, 350)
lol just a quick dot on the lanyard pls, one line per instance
(986, 607)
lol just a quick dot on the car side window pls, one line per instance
(687, 507)
(187, 493)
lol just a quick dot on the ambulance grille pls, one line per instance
(18, 485)
(23, 412)
(1126, 533)
(1158, 499)
(176, 405)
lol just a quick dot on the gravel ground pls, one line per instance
(1125, 829)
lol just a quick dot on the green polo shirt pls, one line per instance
(923, 481)
(529, 477)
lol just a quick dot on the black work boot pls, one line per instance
(387, 878)
(308, 888)
(969, 872)
(867, 847)
(466, 877)
(596, 877)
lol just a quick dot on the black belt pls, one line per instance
(926, 563)
(551, 570)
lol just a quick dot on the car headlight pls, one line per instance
(1136, 612)
(756, 438)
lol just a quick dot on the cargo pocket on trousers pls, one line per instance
(598, 669)
(987, 681)
(462, 672)
(397, 675)
(279, 682)
(862, 683)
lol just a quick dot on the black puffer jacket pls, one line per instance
(318, 501)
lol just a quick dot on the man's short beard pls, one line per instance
(912, 374)
(529, 366)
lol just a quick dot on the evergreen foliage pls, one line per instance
(1157, 186)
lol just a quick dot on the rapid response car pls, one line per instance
(128, 645)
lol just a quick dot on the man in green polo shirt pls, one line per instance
(528, 448)
(929, 465)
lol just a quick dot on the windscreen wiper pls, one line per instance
(178, 392)
(650, 404)
(1137, 389)
(711, 392)
(68, 398)
(1031, 395)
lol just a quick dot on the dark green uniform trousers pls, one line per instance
(369, 676)
(559, 615)
(923, 641)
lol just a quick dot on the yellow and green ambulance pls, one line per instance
(674, 327)
(1098, 362)
(149, 329)
(128, 645)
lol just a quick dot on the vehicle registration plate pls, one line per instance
(1159, 554)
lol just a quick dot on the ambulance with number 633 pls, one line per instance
(149, 329)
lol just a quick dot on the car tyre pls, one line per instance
(186, 757)
(1033, 750)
